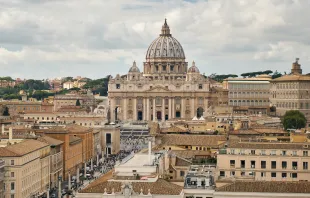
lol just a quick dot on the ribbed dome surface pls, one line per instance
(165, 46)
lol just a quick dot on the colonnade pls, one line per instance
(174, 108)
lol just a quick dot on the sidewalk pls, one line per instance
(87, 182)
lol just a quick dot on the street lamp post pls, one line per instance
(48, 192)
(59, 186)
(69, 180)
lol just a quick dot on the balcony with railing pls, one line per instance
(222, 151)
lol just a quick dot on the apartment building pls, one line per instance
(2, 165)
(291, 92)
(110, 139)
(71, 99)
(18, 106)
(266, 161)
(27, 169)
(56, 159)
(249, 92)
(73, 151)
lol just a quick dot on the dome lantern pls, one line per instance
(165, 30)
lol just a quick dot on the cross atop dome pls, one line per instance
(165, 30)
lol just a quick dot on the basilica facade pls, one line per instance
(166, 89)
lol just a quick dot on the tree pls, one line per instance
(221, 77)
(98, 85)
(294, 119)
(276, 74)
(65, 79)
(6, 111)
(78, 103)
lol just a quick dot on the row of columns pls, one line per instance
(146, 114)
(147, 107)
(176, 69)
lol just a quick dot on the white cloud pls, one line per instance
(106, 36)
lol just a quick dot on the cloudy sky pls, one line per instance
(94, 38)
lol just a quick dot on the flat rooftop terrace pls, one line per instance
(138, 160)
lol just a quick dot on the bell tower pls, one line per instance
(296, 70)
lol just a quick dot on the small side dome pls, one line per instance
(134, 68)
(193, 69)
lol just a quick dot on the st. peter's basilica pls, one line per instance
(166, 89)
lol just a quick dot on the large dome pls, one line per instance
(165, 46)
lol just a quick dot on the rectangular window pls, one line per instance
(263, 174)
(283, 152)
(263, 164)
(252, 164)
(273, 174)
(242, 163)
(252, 152)
(284, 175)
(294, 175)
(232, 163)
(284, 164)
(305, 165)
(305, 153)
(294, 153)
(273, 164)
(232, 151)
(181, 173)
(273, 152)
(200, 86)
(294, 165)
(12, 174)
(222, 173)
(263, 152)
(12, 186)
(12, 162)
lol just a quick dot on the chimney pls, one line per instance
(10, 134)
(150, 152)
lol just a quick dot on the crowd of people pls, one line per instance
(134, 143)
(127, 146)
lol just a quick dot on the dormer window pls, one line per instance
(200, 86)
(118, 86)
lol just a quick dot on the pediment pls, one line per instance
(158, 88)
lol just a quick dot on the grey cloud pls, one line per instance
(53, 37)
